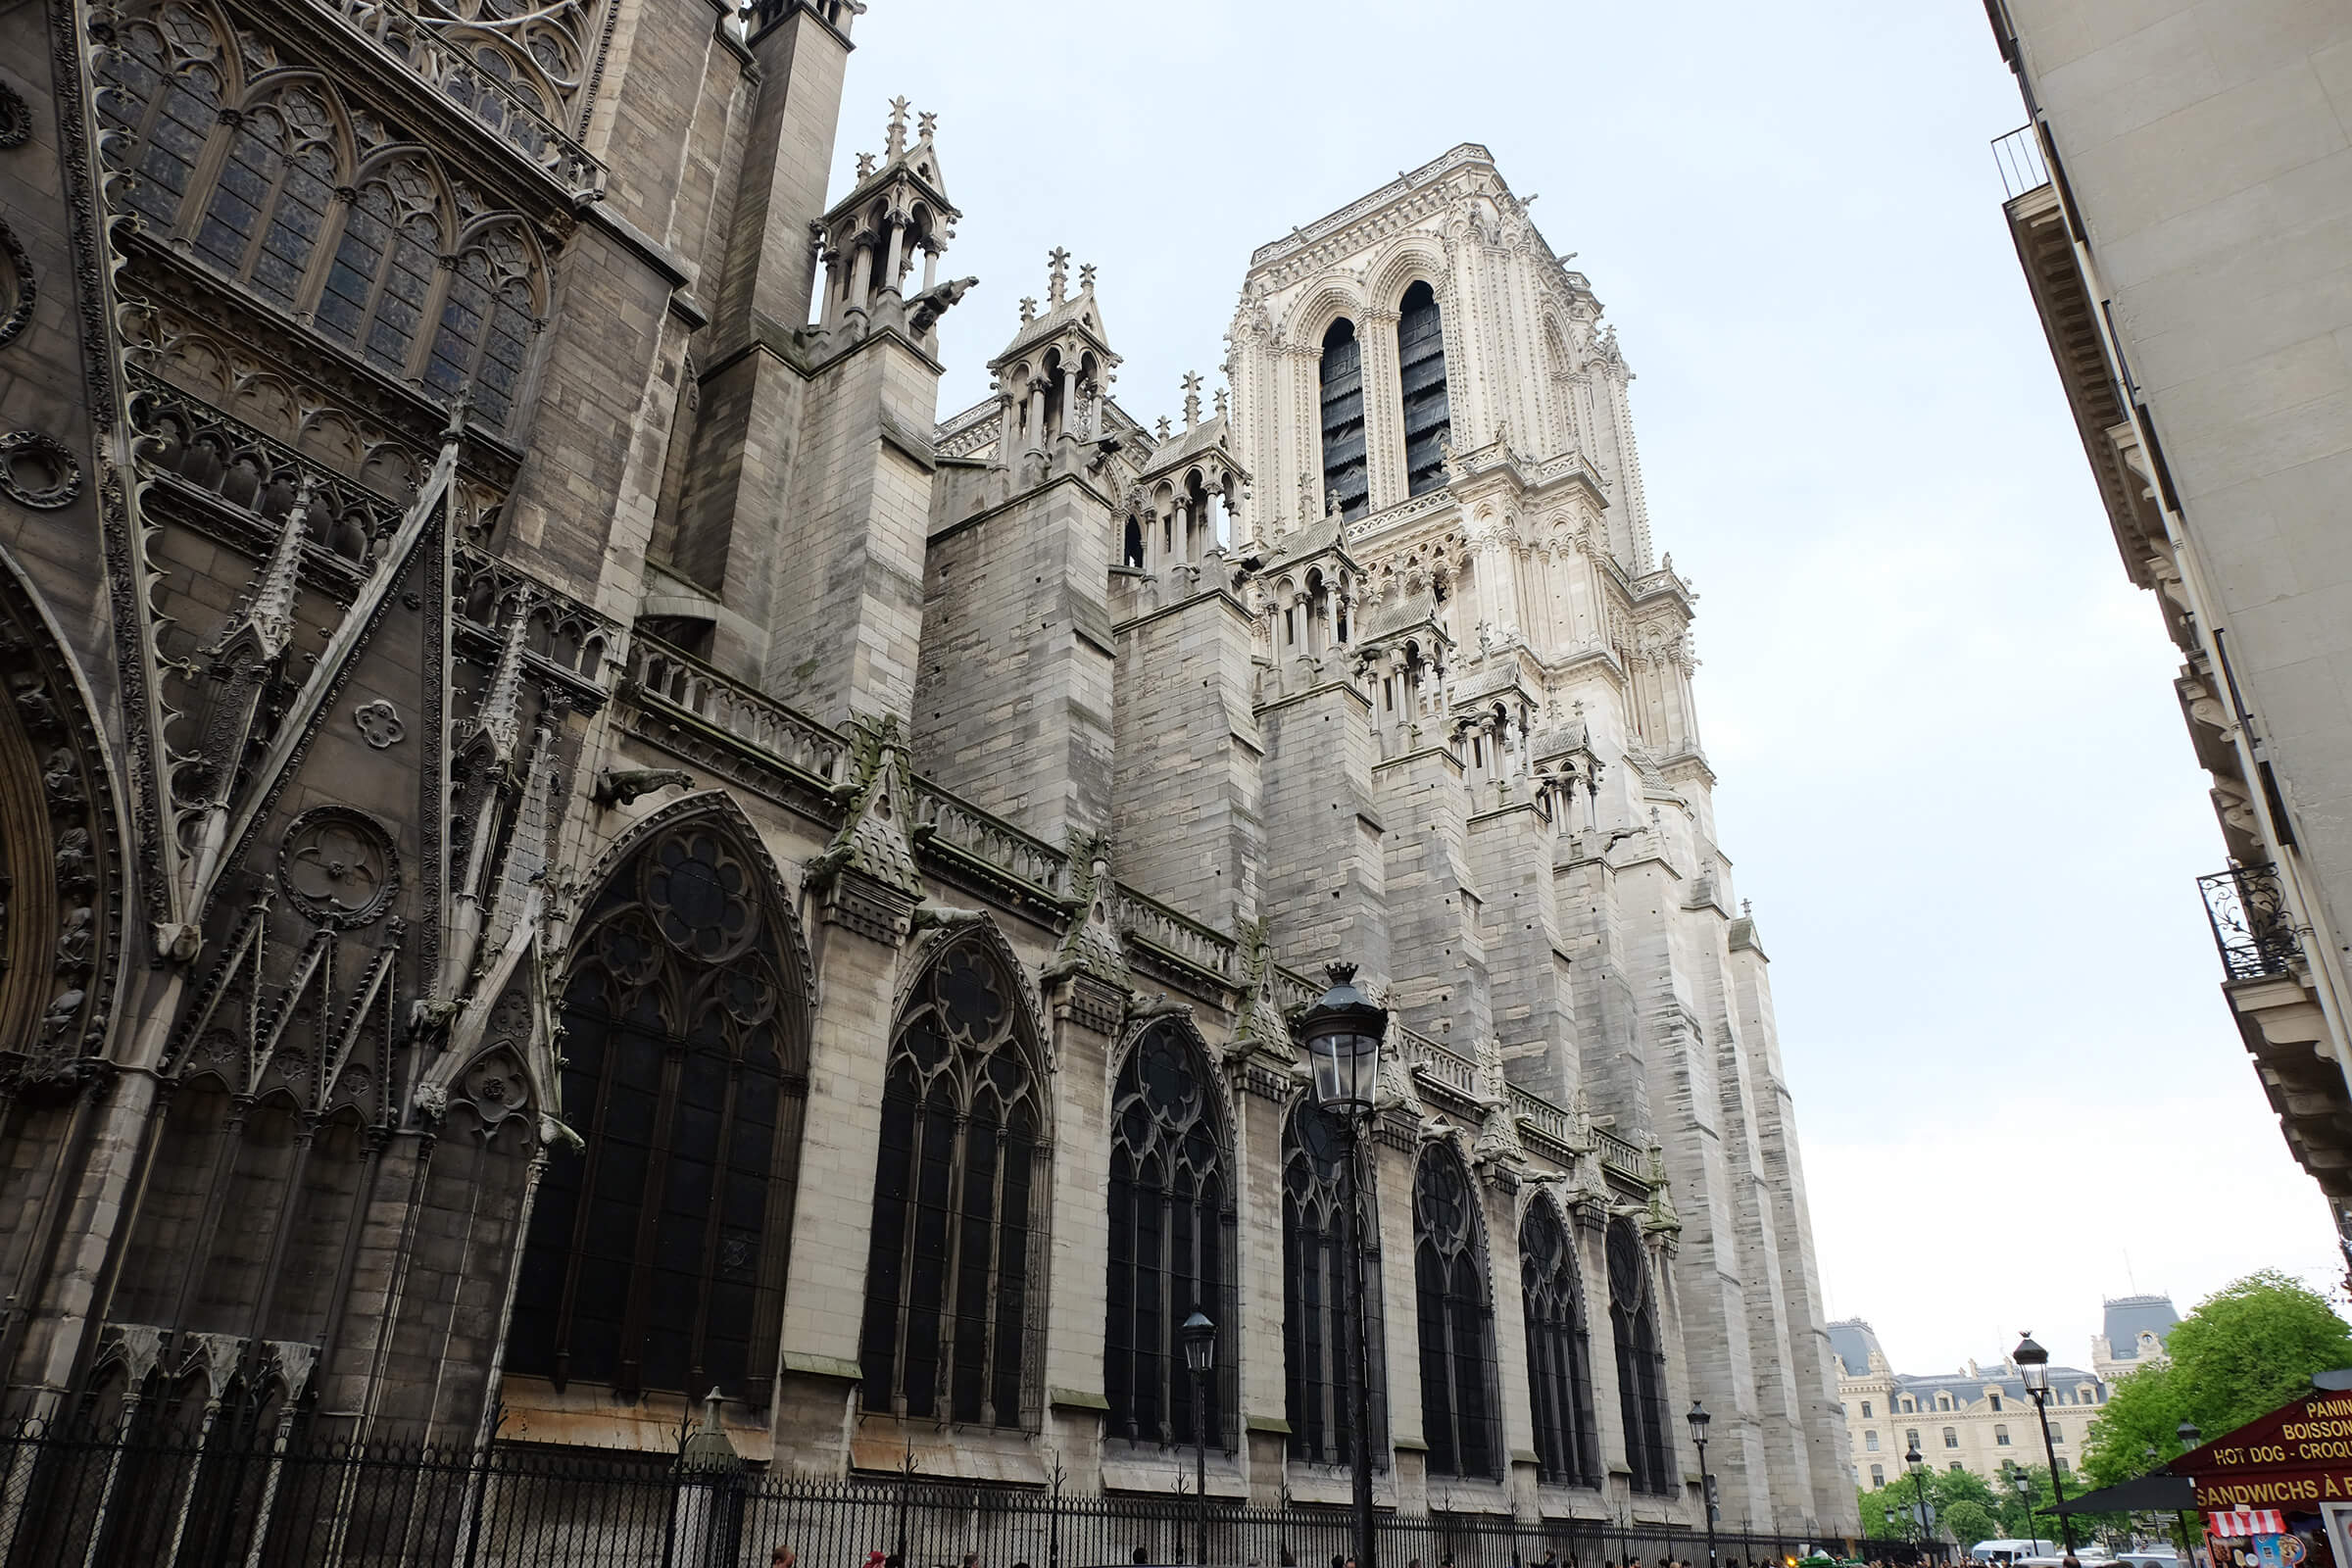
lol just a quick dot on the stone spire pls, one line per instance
(1057, 275)
(270, 610)
(894, 136)
(501, 720)
(1191, 398)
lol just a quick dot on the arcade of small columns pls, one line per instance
(904, 215)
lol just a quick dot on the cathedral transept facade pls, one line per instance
(567, 841)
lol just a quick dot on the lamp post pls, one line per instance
(1918, 1483)
(1200, 1358)
(2190, 1438)
(1698, 1419)
(2022, 1484)
(1342, 1033)
(2034, 1367)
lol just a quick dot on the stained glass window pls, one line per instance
(656, 1259)
(1559, 1366)
(950, 1269)
(1460, 1411)
(1171, 1244)
(1316, 1321)
(1640, 1363)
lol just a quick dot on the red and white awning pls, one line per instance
(2241, 1521)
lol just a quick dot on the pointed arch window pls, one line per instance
(1421, 372)
(1640, 1363)
(1345, 477)
(655, 1257)
(1171, 1244)
(1317, 1319)
(1460, 1415)
(162, 91)
(1559, 1362)
(952, 1264)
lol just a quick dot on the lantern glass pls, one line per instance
(2033, 1365)
(1342, 1033)
(1199, 1344)
(1698, 1419)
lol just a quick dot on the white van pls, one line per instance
(2007, 1551)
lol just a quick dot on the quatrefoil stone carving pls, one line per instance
(379, 723)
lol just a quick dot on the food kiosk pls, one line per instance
(2277, 1493)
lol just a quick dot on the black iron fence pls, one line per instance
(191, 1500)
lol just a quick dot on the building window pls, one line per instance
(1171, 1243)
(1317, 1358)
(1952, 1437)
(1996, 1403)
(1559, 1364)
(1870, 1442)
(2000, 1436)
(952, 1262)
(1910, 1406)
(1865, 1409)
(1460, 1415)
(1345, 477)
(1640, 1364)
(1878, 1475)
(1421, 371)
(655, 1257)
(1911, 1437)
(1958, 1467)
(2057, 1433)
(1944, 1401)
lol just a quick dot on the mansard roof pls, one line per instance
(2129, 1316)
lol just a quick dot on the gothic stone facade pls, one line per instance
(568, 843)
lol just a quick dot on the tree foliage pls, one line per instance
(2246, 1349)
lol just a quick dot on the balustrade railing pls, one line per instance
(1622, 1155)
(988, 839)
(2018, 155)
(684, 682)
(503, 106)
(1203, 947)
(2246, 906)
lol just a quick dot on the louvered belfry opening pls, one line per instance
(1559, 1363)
(1171, 1245)
(1346, 481)
(1421, 371)
(1460, 1413)
(1318, 1352)
(655, 1257)
(959, 1190)
(1640, 1364)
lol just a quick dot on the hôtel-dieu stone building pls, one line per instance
(567, 841)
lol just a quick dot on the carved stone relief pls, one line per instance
(16, 287)
(38, 470)
(339, 866)
(379, 723)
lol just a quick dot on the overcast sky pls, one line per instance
(1955, 777)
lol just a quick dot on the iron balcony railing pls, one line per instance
(2023, 167)
(2247, 908)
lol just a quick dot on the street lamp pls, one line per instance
(1200, 1358)
(1342, 1033)
(2034, 1367)
(2022, 1484)
(2190, 1438)
(1919, 1481)
(1698, 1419)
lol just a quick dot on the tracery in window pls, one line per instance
(1421, 374)
(1171, 1244)
(958, 1186)
(655, 1257)
(1559, 1361)
(1640, 1363)
(1317, 1318)
(1345, 479)
(269, 203)
(1460, 1413)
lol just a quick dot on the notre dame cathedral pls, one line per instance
(567, 841)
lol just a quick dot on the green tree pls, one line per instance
(2251, 1347)
(1968, 1523)
(2244, 1352)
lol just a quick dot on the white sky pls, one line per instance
(1954, 776)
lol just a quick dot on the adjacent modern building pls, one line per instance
(566, 842)
(2181, 201)
(1978, 1418)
